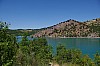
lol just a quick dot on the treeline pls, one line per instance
(37, 52)
(20, 32)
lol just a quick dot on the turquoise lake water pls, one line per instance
(87, 45)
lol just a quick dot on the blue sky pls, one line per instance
(33, 14)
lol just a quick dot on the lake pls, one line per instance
(87, 45)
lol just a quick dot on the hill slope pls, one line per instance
(72, 28)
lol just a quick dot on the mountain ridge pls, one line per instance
(72, 28)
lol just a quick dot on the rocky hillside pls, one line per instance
(72, 28)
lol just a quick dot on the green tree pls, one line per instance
(36, 53)
(97, 59)
(8, 46)
(61, 54)
(85, 61)
(42, 51)
(3, 25)
(76, 55)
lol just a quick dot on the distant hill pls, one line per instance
(72, 28)
(21, 32)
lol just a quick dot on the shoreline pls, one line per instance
(73, 37)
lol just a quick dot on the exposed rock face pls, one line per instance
(71, 28)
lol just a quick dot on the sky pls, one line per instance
(35, 14)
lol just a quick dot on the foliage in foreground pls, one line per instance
(8, 46)
(33, 53)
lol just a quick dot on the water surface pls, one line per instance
(87, 45)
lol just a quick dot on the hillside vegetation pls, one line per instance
(20, 32)
(72, 28)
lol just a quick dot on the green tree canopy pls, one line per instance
(8, 46)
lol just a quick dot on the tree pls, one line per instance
(42, 51)
(8, 46)
(97, 59)
(61, 54)
(85, 61)
(36, 53)
(3, 25)
(76, 55)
